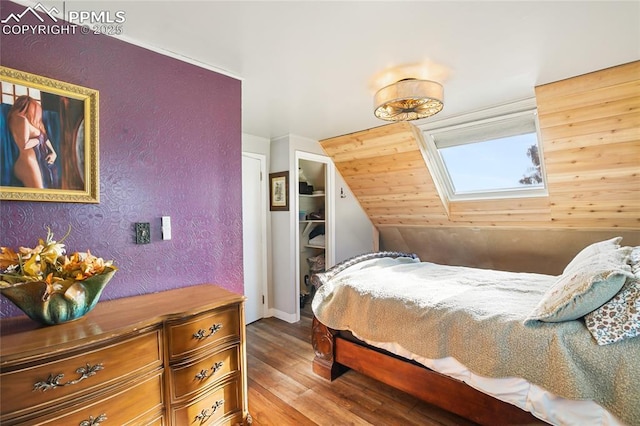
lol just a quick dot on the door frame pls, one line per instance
(263, 225)
(329, 216)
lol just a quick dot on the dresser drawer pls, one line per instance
(220, 406)
(189, 378)
(206, 330)
(137, 404)
(56, 381)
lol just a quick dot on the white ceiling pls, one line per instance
(307, 67)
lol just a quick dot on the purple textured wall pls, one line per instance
(170, 144)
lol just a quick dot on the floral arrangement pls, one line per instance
(47, 263)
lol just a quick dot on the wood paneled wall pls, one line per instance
(386, 171)
(590, 129)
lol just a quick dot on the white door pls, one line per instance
(254, 236)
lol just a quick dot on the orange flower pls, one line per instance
(8, 258)
(47, 262)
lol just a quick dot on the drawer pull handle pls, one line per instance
(205, 414)
(203, 374)
(92, 422)
(54, 380)
(217, 405)
(201, 334)
(217, 366)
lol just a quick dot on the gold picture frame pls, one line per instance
(56, 158)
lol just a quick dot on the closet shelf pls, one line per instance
(309, 223)
(312, 246)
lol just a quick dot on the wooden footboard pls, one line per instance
(334, 355)
(323, 341)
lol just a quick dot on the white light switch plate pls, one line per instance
(166, 227)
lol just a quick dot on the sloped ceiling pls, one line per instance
(385, 169)
(590, 128)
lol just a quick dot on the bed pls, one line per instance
(495, 347)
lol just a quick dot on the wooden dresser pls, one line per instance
(171, 358)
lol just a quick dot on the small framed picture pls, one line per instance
(279, 191)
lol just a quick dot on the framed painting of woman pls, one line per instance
(48, 140)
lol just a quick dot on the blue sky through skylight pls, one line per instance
(491, 165)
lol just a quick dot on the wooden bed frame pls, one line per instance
(335, 354)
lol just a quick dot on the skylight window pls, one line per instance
(497, 164)
(492, 158)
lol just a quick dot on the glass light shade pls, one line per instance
(408, 99)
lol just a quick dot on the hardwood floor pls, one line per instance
(284, 391)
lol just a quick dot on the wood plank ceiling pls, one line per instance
(590, 127)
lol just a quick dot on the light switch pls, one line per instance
(166, 227)
(143, 233)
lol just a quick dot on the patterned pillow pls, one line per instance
(593, 249)
(619, 318)
(583, 288)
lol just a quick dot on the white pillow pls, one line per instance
(590, 250)
(634, 261)
(584, 287)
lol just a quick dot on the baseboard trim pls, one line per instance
(284, 316)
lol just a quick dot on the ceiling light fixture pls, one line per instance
(408, 99)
